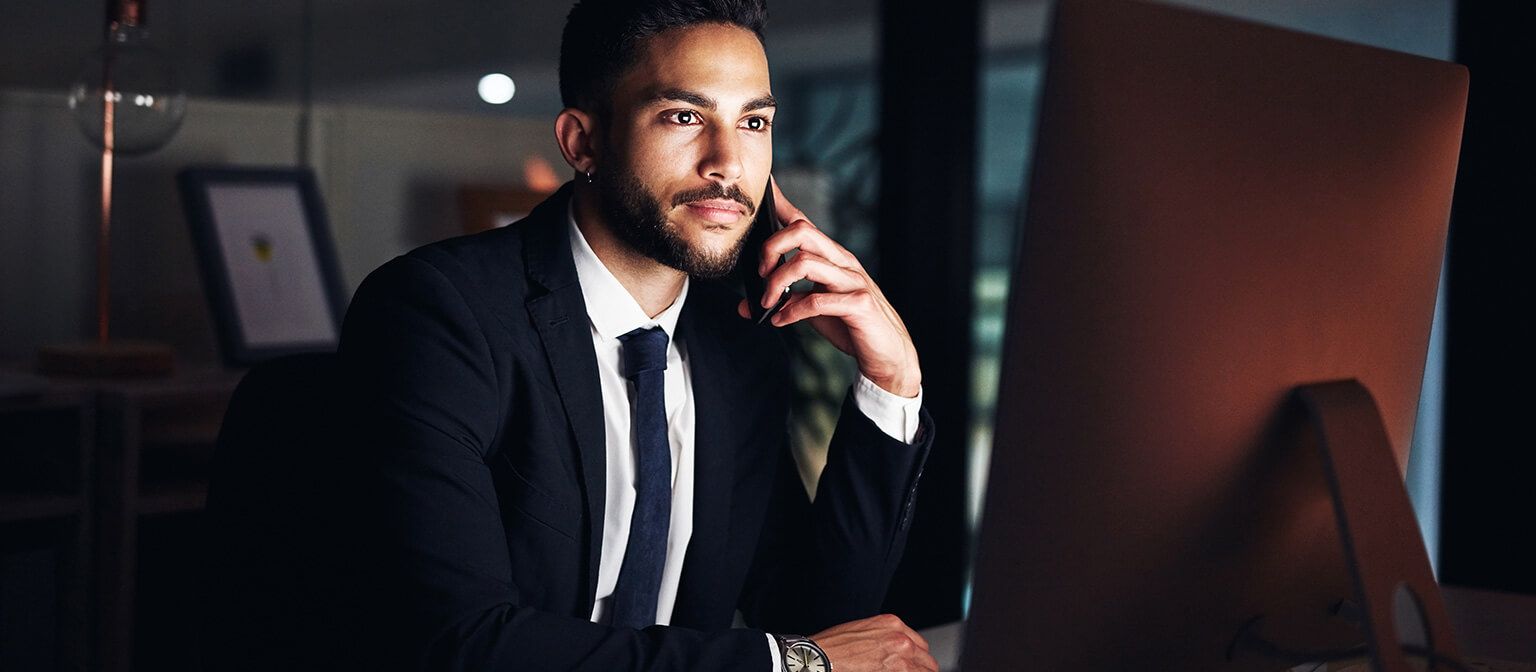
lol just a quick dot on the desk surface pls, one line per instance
(1493, 625)
(1496, 631)
(944, 644)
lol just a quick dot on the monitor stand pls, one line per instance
(1397, 602)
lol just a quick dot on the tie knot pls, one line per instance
(644, 350)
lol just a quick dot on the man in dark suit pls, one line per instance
(574, 450)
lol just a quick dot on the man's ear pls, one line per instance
(576, 132)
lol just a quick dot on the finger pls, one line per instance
(818, 304)
(805, 236)
(791, 298)
(928, 662)
(813, 267)
(832, 329)
(917, 639)
(781, 318)
(743, 310)
(911, 648)
(782, 208)
(912, 634)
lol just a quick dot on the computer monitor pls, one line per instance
(1219, 213)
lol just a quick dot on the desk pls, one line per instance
(1493, 625)
(1496, 631)
(154, 448)
(144, 447)
(46, 448)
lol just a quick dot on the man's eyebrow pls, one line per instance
(701, 100)
(767, 100)
(683, 96)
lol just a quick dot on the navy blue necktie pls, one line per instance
(634, 598)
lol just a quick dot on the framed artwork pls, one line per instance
(268, 264)
(484, 207)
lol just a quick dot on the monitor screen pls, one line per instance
(1219, 212)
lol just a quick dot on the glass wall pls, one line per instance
(827, 161)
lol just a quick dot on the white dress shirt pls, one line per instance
(613, 312)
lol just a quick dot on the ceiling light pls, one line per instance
(496, 88)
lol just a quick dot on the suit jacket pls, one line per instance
(482, 478)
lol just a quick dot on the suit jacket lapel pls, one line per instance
(719, 399)
(560, 316)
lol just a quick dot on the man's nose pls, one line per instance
(722, 160)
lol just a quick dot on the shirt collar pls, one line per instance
(610, 307)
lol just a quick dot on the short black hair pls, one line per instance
(603, 37)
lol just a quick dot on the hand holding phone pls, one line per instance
(844, 305)
(764, 224)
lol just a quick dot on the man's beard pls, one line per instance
(635, 216)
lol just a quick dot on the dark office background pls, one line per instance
(906, 130)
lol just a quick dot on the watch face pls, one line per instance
(805, 658)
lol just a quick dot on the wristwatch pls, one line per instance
(802, 655)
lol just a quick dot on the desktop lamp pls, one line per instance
(128, 101)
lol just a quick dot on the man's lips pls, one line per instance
(721, 211)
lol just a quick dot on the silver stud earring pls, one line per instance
(589, 177)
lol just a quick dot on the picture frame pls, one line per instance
(267, 260)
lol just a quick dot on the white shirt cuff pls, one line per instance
(773, 648)
(895, 415)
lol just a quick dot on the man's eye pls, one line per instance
(758, 123)
(685, 117)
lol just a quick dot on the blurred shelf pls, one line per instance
(18, 507)
(199, 434)
(162, 498)
(95, 456)
(47, 447)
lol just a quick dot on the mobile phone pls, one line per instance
(764, 224)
